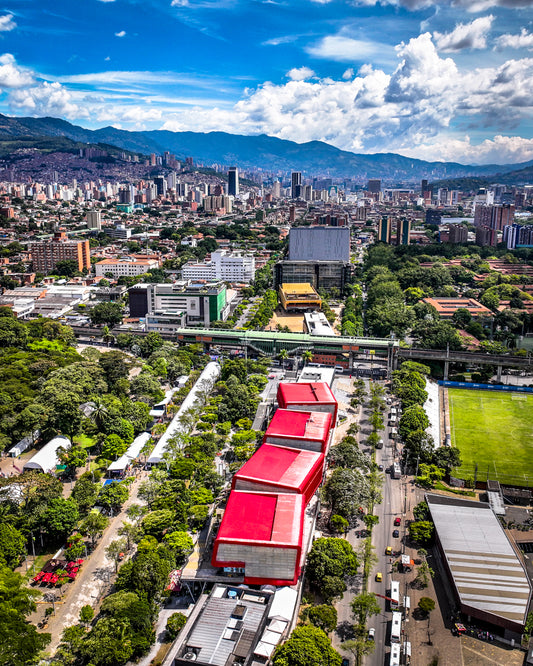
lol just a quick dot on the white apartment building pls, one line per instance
(223, 265)
(127, 266)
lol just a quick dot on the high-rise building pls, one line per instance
(374, 186)
(458, 233)
(384, 230)
(94, 219)
(46, 254)
(233, 181)
(296, 184)
(161, 184)
(403, 230)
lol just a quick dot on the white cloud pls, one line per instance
(106, 0)
(300, 73)
(465, 36)
(122, 33)
(179, 3)
(7, 23)
(47, 99)
(11, 75)
(472, 6)
(348, 74)
(346, 49)
(411, 109)
(522, 41)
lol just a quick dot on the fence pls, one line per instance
(487, 387)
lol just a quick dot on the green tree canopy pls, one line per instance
(307, 646)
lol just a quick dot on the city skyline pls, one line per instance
(424, 78)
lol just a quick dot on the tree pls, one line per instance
(338, 524)
(346, 490)
(113, 447)
(109, 643)
(413, 418)
(359, 647)
(84, 493)
(12, 545)
(113, 495)
(421, 531)
(181, 545)
(447, 457)
(363, 606)
(323, 616)
(157, 522)
(106, 313)
(175, 624)
(86, 614)
(115, 551)
(75, 548)
(330, 557)
(426, 605)
(307, 646)
(130, 531)
(72, 458)
(423, 575)
(21, 643)
(94, 525)
(66, 268)
(60, 518)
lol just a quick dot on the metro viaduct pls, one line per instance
(270, 343)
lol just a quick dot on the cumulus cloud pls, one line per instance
(465, 36)
(7, 23)
(11, 75)
(522, 41)
(472, 6)
(47, 99)
(498, 150)
(300, 73)
(413, 108)
(122, 33)
(348, 74)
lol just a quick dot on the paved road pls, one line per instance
(92, 582)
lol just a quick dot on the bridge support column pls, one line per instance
(446, 369)
(350, 361)
(499, 373)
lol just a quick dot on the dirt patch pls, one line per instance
(294, 322)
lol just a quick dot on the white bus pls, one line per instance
(394, 594)
(395, 655)
(396, 628)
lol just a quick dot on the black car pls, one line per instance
(395, 534)
(345, 662)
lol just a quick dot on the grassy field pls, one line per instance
(494, 430)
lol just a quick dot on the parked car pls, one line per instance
(371, 634)
(379, 577)
(396, 534)
(397, 521)
(388, 550)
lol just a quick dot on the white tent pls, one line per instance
(24, 444)
(46, 459)
(283, 604)
(205, 382)
(133, 452)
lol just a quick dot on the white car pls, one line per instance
(371, 634)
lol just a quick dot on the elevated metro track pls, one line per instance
(271, 343)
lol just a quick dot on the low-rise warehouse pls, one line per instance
(262, 533)
(281, 469)
(310, 397)
(303, 430)
(488, 578)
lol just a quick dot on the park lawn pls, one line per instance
(495, 430)
(84, 441)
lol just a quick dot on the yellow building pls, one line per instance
(299, 296)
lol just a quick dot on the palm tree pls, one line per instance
(283, 356)
(307, 356)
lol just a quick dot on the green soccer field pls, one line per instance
(495, 430)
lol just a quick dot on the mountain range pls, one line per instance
(278, 156)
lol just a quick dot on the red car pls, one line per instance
(397, 521)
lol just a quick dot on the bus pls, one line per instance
(396, 628)
(395, 655)
(394, 595)
(396, 471)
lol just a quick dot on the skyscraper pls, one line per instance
(233, 181)
(384, 230)
(296, 184)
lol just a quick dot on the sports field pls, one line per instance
(495, 430)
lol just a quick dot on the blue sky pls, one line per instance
(430, 79)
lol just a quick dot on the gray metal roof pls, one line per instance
(486, 570)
